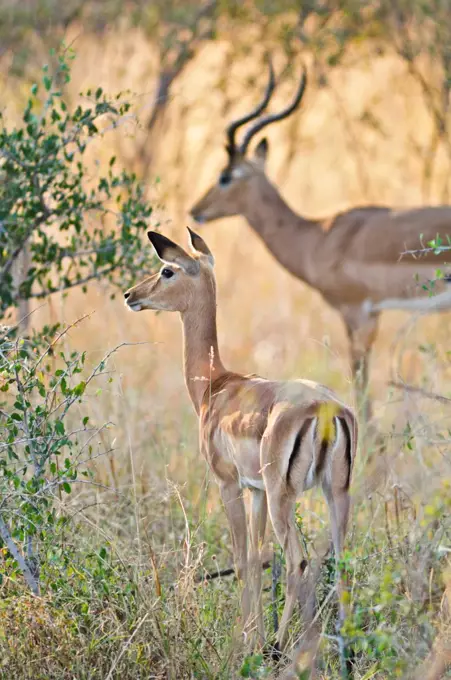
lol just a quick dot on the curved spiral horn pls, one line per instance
(267, 120)
(235, 124)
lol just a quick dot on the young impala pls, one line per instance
(275, 438)
(354, 258)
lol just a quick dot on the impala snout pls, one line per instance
(213, 205)
(139, 297)
(199, 212)
(196, 212)
(131, 302)
(198, 218)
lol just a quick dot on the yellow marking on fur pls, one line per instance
(326, 425)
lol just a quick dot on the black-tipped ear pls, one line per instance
(170, 252)
(261, 151)
(161, 243)
(199, 246)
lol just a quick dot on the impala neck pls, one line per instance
(288, 236)
(200, 350)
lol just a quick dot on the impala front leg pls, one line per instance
(258, 516)
(360, 373)
(361, 339)
(232, 498)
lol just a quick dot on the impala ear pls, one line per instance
(170, 252)
(261, 152)
(199, 246)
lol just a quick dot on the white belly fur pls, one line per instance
(245, 454)
(246, 483)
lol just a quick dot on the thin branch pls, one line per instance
(229, 571)
(69, 400)
(425, 251)
(25, 569)
(60, 335)
(412, 389)
(77, 282)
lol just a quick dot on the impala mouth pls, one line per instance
(200, 219)
(134, 306)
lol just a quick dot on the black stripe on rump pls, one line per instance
(347, 435)
(322, 456)
(297, 445)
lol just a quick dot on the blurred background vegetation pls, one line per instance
(117, 556)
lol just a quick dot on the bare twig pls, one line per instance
(229, 571)
(98, 274)
(420, 391)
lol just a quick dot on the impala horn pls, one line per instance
(273, 118)
(235, 124)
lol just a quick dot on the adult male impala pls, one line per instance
(352, 258)
(276, 438)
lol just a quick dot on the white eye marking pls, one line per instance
(238, 173)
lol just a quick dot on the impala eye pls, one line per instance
(225, 178)
(167, 273)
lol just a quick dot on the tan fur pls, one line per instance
(354, 259)
(249, 430)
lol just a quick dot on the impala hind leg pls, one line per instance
(257, 526)
(232, 498)
(281, 510)
(339, 503)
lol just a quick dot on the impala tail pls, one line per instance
(323, 449)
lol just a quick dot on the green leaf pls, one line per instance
(59, 427)
(80, 388)
(67, 487)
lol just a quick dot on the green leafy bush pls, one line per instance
(72, 227)
(44, 449)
